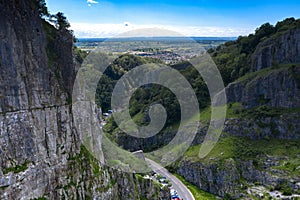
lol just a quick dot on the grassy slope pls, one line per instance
(245, 149)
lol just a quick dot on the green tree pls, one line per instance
(264, 30)
(42, 8)
(61, 21)
(285, 24)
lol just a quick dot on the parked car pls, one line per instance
(105, 114)
(176, 197)
(173, 192)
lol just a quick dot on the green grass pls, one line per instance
(265, 111)
(139, 118)
(236, 149)
(265, 72)
(291, 166)
(233, 110)
(197, 193)
(205, 115)
(120, 158)
(236, 110)
(3, 187)
(224, 149)
(246, 149)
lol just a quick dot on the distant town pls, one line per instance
(169, 50)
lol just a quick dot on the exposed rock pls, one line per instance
(232, 176)
(215, 179)
(285, 126)
(281, 49)
(41, 153)
(277, 88)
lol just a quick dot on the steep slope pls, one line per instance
(259, 142)
(41, 154)
(282, 48)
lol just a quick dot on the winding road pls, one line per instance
(183, 192)
(177, 185)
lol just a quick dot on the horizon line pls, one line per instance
(136, 37)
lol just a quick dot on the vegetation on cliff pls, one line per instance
(269, 137)
(233, 57)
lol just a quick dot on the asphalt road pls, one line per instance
(177, 185)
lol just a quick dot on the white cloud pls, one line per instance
(91, 2)
(83, 30)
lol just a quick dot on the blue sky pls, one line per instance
(97, 18)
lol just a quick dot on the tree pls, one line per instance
(42, 8)
(264, 30)
(285, 24)
(61, 21)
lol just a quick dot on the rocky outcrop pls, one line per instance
(285, 126)
(41, 153)
(35, 124)
(279, 49)
(275, 88)
(278, 87)
(270, 101)
(232, 177)
(211, 177)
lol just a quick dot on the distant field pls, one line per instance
(171, 50)
(94, 42)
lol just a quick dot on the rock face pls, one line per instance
(274, 86)
(285, 127)
(211, 178)
(231, 177)
(41, 154)
(277, 50)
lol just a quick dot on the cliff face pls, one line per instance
(233, 177)
(26, 80)
(211, 178)
(269, 101)
(277, 88)
(41, 155)
(277, 50)
(271, 87)
(35, 122)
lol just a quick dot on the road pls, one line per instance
(177, 185)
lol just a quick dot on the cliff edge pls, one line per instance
(41, 154)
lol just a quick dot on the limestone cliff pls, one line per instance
(275, 87)
(282, 48)
(41, 155)
(263, 107)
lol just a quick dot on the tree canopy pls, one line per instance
(61, 21)
(42, 8)
(232, 58)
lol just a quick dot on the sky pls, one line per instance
(206, 18)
